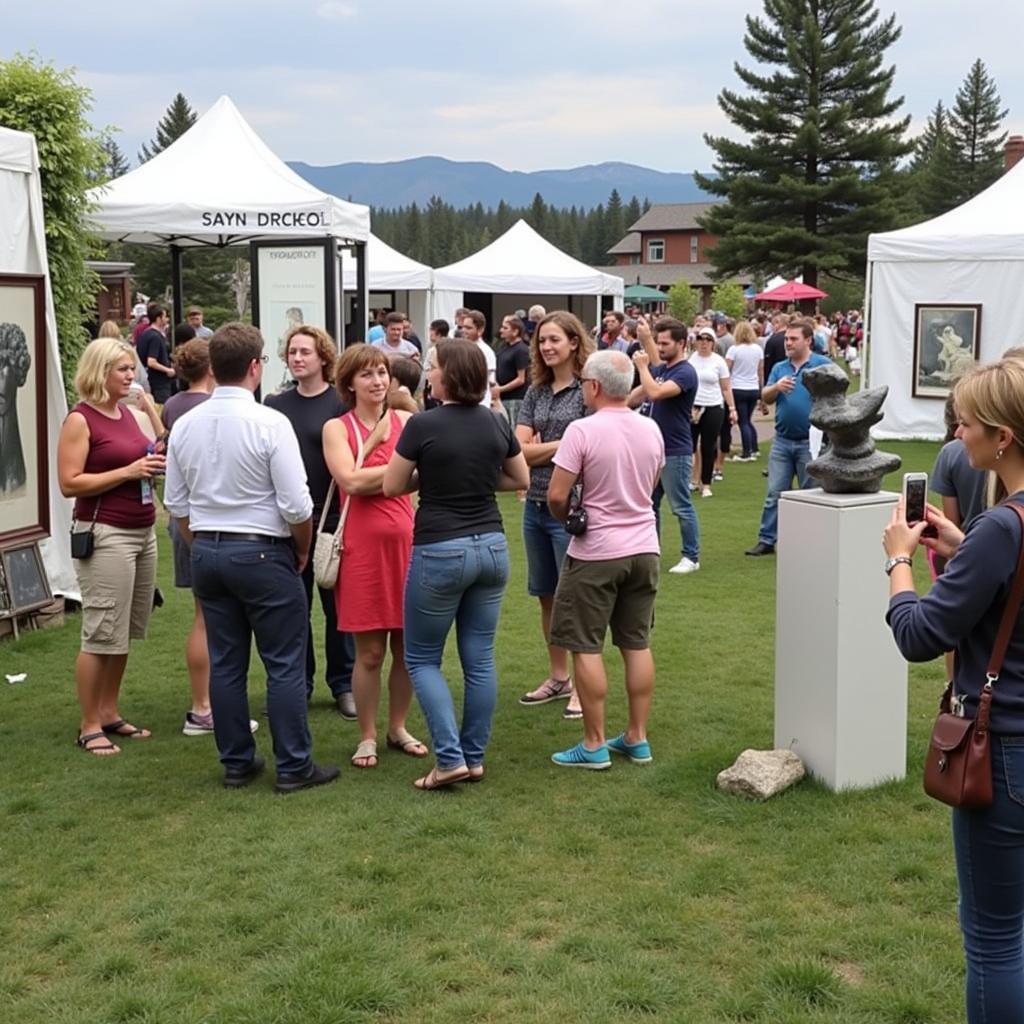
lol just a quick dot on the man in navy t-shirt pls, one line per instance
(668, 385)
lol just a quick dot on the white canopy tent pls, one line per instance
(23, 251)
(973, 254)
(409, 282)
(220, 184)
(522, 266)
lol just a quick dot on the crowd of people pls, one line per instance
(593, 430)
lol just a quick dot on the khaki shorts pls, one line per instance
(591, 596)
(117, 588)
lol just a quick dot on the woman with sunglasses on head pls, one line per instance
(457, 456)
(377, 544)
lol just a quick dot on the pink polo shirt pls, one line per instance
(618, 454)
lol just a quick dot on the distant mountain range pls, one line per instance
(463, 183)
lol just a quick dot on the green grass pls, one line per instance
(135, 889)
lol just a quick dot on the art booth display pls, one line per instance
(24, 495)
(946, 344)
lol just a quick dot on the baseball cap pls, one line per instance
(706, 332)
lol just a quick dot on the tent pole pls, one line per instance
(359, 311)
(864, 375)
(177, 316)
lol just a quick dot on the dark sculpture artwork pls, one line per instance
(14, 366)
(850, 465)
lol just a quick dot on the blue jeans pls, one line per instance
(746, 402)
(339, 648)
(989, 846)
(462, 581)
(249, 588)
(786, 460)
(675, 485)
(546, 542)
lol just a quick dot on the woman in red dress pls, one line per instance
(377, 543)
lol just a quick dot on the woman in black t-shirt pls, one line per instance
(457, 455)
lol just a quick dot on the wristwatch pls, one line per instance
(891, 563)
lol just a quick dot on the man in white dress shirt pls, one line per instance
(237, 488)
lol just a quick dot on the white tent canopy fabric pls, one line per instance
(971, 255)
(220, 184)
(23, 251)
(388, 270)
(521, 265)
(522, 261)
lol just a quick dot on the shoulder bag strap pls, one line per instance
(360, 455)
(1012, 610)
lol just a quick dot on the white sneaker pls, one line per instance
(684, 566)
(705, 492)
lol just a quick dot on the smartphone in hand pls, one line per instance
(915, 497)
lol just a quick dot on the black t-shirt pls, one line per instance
(307, 417)
(774, 352)
(511, 359)
(459, 451)
(153, 345)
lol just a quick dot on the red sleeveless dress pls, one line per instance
(377, 546)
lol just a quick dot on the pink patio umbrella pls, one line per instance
(791, 291)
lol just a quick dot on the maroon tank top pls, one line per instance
(113, 444)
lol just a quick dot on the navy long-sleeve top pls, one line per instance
(962, 613)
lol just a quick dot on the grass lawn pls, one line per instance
(137, 889)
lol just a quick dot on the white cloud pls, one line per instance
(336, 10)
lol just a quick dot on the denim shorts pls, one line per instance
(546, 541)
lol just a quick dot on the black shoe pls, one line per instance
(237, 778)
(764, 472)
(760, 548)
(319, 776)
(346, 706)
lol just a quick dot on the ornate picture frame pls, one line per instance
(947, 341)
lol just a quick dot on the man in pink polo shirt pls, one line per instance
(610, 573)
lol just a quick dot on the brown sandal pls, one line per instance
(434, 780)
(99, 749)
(405, 742)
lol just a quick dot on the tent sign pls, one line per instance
(263, 219)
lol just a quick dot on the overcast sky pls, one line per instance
(526, 85)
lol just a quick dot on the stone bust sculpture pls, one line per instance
(851, 465)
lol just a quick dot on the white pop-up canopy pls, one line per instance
(972, 255)
(523, 264)
(220, 184)
(389, 270)
(23, 251)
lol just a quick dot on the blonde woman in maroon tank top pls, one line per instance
(107, 465)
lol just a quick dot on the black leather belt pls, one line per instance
(252, 538)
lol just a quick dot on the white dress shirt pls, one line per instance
(234, 466)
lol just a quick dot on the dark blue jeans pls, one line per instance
(989, 847)
(746, 402)
(246, 589)
(458, 581)
(339, 648)
(786, 460)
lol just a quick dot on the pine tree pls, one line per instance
(177, 120)
(538, 216)
(114, 162)
(805, 185)
(614, 221)
(976, 144)
(632, 213)
(930, 171)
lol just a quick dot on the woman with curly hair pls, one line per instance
(558, 350)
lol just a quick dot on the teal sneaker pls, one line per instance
(580, 757)
(638, 753)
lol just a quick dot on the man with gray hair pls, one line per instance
(610, 573)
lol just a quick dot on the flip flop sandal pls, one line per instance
(433, 781)
(404, 742)
(365, 750)
(125, 730)
(91, 737)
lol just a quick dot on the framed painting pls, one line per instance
(24, 586)
(947, 340)
(24, 484)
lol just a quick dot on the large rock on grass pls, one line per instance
(760, 774)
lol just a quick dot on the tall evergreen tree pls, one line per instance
(538, 215)
(810, 178)
(632, 212)
(177, 120)
(974, 130)
(114, 162)
(931, 171)
(614, 220)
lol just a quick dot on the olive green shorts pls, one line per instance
(616, 592)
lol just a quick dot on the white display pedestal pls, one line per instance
(840, 682)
